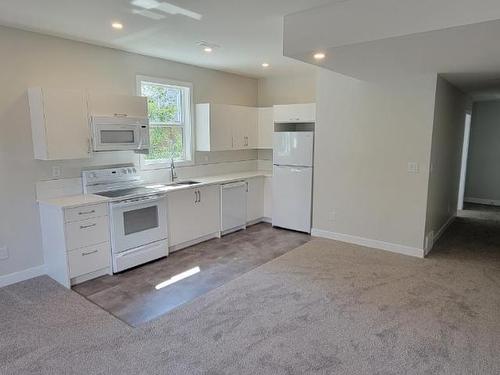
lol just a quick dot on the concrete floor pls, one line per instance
(136, 296)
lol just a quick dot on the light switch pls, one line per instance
(413, 167)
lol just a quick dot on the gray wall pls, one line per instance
(288, 89)
(30, 60)
(365, 136)
(483, 165)
(446, 155)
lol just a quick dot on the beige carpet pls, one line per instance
(324, 308)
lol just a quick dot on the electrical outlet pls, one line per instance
(4, 253)
(56, 171)
(413, 167)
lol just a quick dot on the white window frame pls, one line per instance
(189, 140)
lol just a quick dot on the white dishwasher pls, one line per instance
(233, 206)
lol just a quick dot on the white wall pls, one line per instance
(287, 89)
(30, 59)
(365, 136)
(483, 172)
(446, 154)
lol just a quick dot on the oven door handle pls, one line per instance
(133, 202)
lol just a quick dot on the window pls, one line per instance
(169, 109)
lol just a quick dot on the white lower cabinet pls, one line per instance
(87, 232)
(76, 242)
(255, 199)
(193, 214)
(86, 260)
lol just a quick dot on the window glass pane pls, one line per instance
(167, 142)
(164, 102)
(136, 221)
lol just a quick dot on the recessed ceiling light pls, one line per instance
(207, 47)
(265, 65)
(319, 56)
(117, 25)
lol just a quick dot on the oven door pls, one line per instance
(137, 222)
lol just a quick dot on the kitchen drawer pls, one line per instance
(88, 259)
(85, 212)
(87, 232)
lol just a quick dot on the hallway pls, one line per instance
(474, 237)
(480, 211)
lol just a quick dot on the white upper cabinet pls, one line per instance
(104, 104)
(245, 128)
(265, 127)
(295, 113)
(60, 124)
(222, 127)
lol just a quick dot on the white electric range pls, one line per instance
(138, 215)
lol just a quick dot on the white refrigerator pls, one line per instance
(292, 180)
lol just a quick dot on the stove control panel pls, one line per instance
(109, 177)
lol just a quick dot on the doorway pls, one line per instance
(463, 168)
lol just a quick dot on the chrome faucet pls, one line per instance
(173, 174)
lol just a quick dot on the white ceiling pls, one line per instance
(364, 39)
(249, 32)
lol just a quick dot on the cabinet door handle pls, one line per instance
(86, 212)
(196, 196)
(247, 185)
(87, 226)
(121, 115)
(89, 253)
(199, 196)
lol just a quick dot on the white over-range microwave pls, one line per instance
(120, 133)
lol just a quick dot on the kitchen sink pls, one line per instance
(184, 183)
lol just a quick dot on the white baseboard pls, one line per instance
(259, 220)
(376, 244)
(26, 274)
(489, 202)
(433, 238)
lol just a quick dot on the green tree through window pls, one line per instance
(167, 120)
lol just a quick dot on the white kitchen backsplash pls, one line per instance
(264, 165)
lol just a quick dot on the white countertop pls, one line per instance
(74, 200)
(89, 199)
